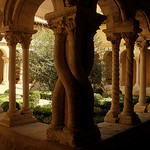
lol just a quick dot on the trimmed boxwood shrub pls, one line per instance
(43, 113)
(6, 92)
(5, 106)
(46, 94)
(34, 98)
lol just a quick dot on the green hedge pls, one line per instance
(43, 113)
(5, 106)
(45, 94)
(34, 98)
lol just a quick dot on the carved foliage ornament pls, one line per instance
(63, 25)
(69, 3)
(130, 38)
(114, 38)
(14, 37)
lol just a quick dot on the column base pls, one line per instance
(148, 108)
(111, 117)
(14, 118)
(73, 137)
(129, 118)
(142, 108)
(4, 83)
(28, 115)
(11, 119)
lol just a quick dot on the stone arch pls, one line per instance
(144, 21)
(2, 56)
(20, 13)
(107, 58)
(123, 68)
(110, 9)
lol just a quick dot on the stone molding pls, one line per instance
(67, 11)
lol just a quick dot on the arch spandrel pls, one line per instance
(144, 23)
(112, 11)
(20, 13)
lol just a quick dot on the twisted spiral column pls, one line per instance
(112, 115)
(141, 106)
(73, 98)
(128, 116)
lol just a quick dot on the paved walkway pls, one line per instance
(44, 102)
(19, 88)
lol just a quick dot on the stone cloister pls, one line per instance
(74, 24)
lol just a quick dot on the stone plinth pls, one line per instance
(130, 118)
(16, 119)
(142, 108)
(72, 137)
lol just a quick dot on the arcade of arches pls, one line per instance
(74, 23)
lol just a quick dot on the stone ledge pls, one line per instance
(33, 136)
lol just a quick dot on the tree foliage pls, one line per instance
(95, 76)
(41, 59)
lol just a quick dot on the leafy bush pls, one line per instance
(43, 113)
(6, 92)
(99, 90)
(97, 98)
(34, 98)
(45, 94)
(5, 106)
(45, 110)
(3, 98)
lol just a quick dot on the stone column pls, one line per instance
(137, 72)
(5, 72)
(112, 115)
(121, 73)
(128, 116)
(25, 110)
(12, 117)
(73, 98)
(141, 106)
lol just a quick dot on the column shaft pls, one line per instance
(142, 94)
(128, 116)
(26, 78)
(112, 115)
(141, 106)
(25, 110)
(12, 78)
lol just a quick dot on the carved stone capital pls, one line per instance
(70, 23)
(130, 38)
(5, 59)
(58, 26)
(12, 38)
(114, 38)
(25, 40)
(143, 45)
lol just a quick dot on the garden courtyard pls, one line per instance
(41, 103)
